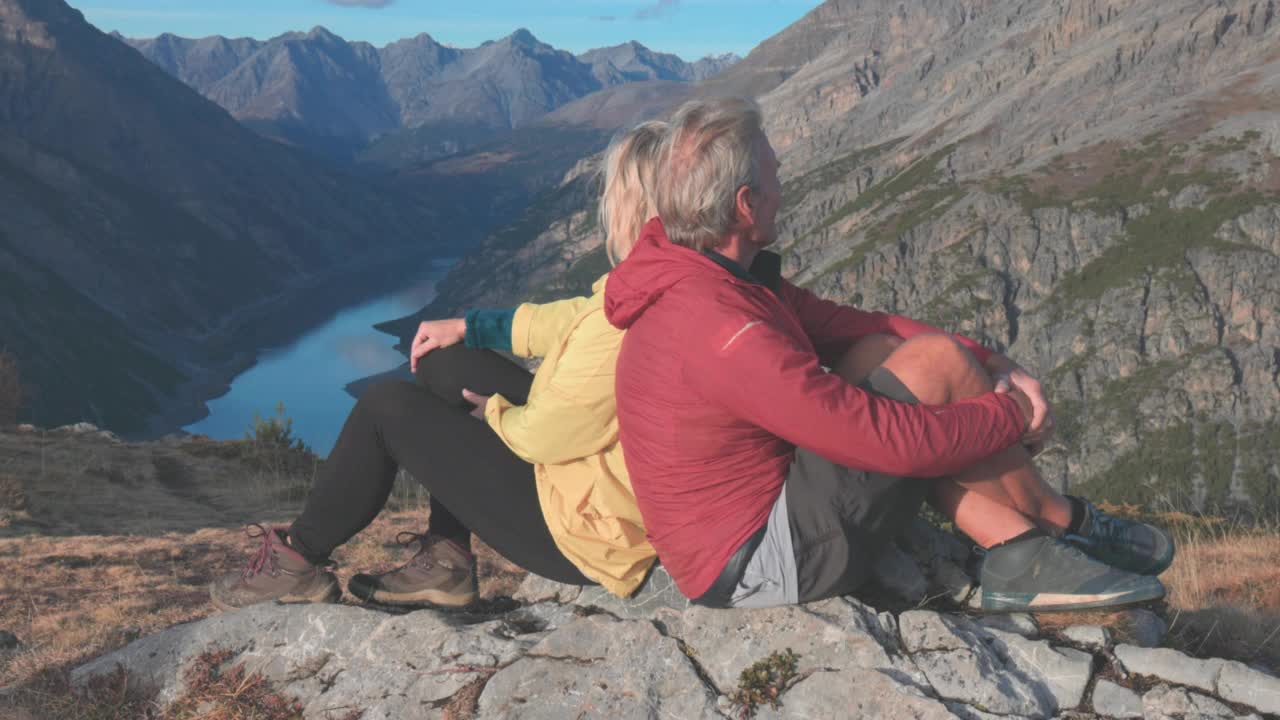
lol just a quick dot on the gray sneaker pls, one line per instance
(1044, 574)
(276, 572)
(1122, 543)
(442, 573)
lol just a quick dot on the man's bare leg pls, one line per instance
(998, 498)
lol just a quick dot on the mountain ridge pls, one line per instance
(320, 91)
(142, 221)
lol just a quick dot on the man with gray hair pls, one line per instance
(763, 478)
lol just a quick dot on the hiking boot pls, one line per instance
(1122, 543)
(277, 572)
(442, 573)
(1042, 573)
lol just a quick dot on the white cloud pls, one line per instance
(656, 10)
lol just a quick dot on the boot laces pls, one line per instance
(421, 559)
(265, 559)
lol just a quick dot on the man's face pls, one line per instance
(767, 197)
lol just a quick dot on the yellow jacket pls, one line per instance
(569, 432)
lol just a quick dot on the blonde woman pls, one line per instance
(541, 479)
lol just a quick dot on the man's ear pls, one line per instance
(743, 204)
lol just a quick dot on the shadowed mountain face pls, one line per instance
(318, 90)
(1093, 187)
(142, 225)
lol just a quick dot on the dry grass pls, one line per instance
(215, 688)
(103, 542)
(72, 598)
(10, 389)
(1224, 590)
(1224, 595)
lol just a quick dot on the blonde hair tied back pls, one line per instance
(630, 168)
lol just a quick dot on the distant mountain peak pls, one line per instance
(320, 32)
(522, 36)
(421, 39)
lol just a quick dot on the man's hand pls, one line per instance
(1008, 376)
(480, 401)
(434, 334)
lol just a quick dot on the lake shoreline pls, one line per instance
(277, 322)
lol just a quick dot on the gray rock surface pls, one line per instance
(1171, 666)
(1112, 700)
(555, 658)
(1019, 623)
(600, 667)
(856, 694)
(535, 589)
(1064, 671)
(390, 666)
(1242, 684)
(964, 662)
(839, 634)
(1164, 701)
(1094, 637)
(658, 591)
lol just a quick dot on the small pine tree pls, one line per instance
(275, 446)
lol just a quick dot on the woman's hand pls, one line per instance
(434, 334)
(480, 401)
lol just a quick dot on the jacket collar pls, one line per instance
(765, 270)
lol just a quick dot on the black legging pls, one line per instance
(475, 481)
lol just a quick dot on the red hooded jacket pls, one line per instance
(718, 381)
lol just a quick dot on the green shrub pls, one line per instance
(764, 682)
(274, 447)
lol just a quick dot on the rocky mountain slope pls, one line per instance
(140, 225)
(318, 90)
(1093, 186)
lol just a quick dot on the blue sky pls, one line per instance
(689, 28)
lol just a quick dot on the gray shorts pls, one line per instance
(828, 523)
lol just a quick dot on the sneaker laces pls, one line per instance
(1105, 529)
(265, 559)
(1111, 528)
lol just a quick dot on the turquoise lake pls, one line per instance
(309, 374)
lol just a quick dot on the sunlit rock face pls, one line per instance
(1093, 187)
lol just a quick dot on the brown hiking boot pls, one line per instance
(441, 573)
(277, 572)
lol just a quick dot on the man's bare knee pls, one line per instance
(866, 355)
(938, 369)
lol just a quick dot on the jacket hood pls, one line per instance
(653, 267)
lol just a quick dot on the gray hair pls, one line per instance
(629, 167)
(708, 154)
